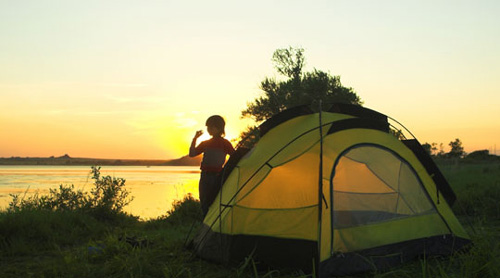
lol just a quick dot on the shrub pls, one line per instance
(107, 197)
(109, 193)
(61, 199)
(187, 209)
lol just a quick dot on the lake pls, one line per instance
(154, 188)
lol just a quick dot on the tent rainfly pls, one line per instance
(339, 191)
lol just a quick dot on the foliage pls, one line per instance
(440, 152)
(61, 199)
(106, 198)
(289, 61)
(398, 133)
(109, 193)
(432, 149)
(187, 209)
(427, 148)
(457, 150)
(249, 137)
(481, 155)
(298, 89)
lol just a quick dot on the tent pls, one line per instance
(337, 192)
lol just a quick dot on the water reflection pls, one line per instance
(154, 188)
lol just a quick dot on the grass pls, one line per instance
(477, 187)
(82, 239)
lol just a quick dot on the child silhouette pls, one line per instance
(214, 152)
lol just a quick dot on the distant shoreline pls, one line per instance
(80, 161)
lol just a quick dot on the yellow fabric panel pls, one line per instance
(368, 236)
(248, 185)
(224, 222)
(276, 138)
(298, 147)
(337, 142)
(230, 186)
(292, 185)
(294, 224)
(212, 217)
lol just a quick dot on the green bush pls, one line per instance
(108, 193)
(61, 199)
(108, 197)
(187, 209)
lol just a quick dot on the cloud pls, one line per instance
(72, 84)
(57, 111)
(122, 85)
(138, 99)
(185, 122)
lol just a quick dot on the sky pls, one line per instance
(135, 79)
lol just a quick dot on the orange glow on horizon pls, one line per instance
(105, 86)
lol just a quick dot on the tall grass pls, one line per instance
(477, 187)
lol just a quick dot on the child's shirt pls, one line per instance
(214, 153)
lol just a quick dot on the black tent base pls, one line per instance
(389, 256)
(301, 254)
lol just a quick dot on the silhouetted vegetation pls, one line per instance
(107, 198)
(457, 153)
(298, 88)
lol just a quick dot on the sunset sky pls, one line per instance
(136, 79)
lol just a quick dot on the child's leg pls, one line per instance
(213, 189)
(208, 189)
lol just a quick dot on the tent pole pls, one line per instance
(220, 216)
(320, 190)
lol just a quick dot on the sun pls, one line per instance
(205, 136)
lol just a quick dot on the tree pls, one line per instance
(427, 148)
(434, 148)
(479, 155)
(298, 88)
(457, 150)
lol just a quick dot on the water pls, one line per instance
(153, 188)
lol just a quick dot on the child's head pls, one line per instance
(215, 125)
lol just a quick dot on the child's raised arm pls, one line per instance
(192, 152)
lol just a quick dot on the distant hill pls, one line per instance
(184, 161)
(79, 161)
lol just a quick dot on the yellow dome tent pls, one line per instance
(338, 190)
